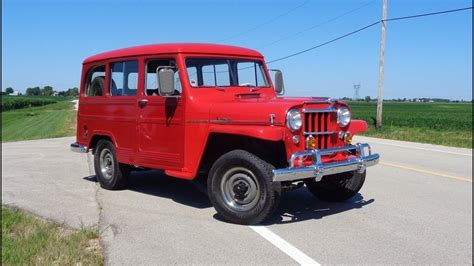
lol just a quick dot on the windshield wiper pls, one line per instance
(251, 86)
(254, 88)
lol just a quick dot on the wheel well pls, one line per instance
(271, 151)
(95, 139)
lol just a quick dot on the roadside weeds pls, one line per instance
(28, 239)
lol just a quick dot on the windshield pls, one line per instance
(222, 72)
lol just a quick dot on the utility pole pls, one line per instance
(378, 122)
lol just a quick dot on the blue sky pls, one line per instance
(44, 42)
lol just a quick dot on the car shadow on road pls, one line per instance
(295, 206)
(300, 205)
(156, 183)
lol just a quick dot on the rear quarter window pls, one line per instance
(95, 81)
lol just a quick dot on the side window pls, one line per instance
(95, 81)
(151, 79)
(124, 78)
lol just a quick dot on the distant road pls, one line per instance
(415, 207)
(76, 104)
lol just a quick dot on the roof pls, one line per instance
(194, 48)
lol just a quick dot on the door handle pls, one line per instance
(142, 103)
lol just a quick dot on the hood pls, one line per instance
(253, 109)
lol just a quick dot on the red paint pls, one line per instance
(172, 133)
(357, 126)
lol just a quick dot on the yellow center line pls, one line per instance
(426, 171)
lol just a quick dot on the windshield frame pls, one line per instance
(260, 61)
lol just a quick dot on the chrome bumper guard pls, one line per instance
(76, 147)
(318, 169)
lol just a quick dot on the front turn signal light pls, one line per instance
(348, 138)
(311, 142)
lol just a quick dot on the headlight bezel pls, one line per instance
(294, 120)
(344, 116)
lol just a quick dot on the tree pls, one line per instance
(9, 90)
(72, 92)
(36, 91)
(47, 91)
(367, 98)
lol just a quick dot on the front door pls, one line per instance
(160, 120)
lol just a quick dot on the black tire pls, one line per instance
(119, 173)
(230, 198)
(339, 187)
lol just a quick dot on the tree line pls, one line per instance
(45, 91)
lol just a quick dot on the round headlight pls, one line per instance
(343, 116)
(293, 120)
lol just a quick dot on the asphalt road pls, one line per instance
(415, 207)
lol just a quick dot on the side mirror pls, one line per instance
(278, 82)
(165, 82)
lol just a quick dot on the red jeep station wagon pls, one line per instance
(213, 111)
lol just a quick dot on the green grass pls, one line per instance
(447, 124)
(28, 240)
(48, 121)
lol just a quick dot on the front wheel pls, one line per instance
(338, 187)
(240, 188)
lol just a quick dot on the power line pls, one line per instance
(317, 25)
(265, 23)
(364, 28)
(430, 14)
(324, 43)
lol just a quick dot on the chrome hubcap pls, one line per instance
(240, 189)
(106, 161)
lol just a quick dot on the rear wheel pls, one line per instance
(110, 173)
(240, 188)
(338, 187)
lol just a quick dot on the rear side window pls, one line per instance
(123, 78)
(95, 81)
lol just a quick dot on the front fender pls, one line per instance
(357, 126)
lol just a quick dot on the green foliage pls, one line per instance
(73, 92)
(27, 240)
(36, 91)
(47, 91)
(9, 90)
(18, 102)
(437, 123)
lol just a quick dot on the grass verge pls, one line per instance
(28, 240)
(49, 121)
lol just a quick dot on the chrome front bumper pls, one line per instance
(319, 169)
(76, 147)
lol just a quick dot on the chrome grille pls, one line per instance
(317, 122)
